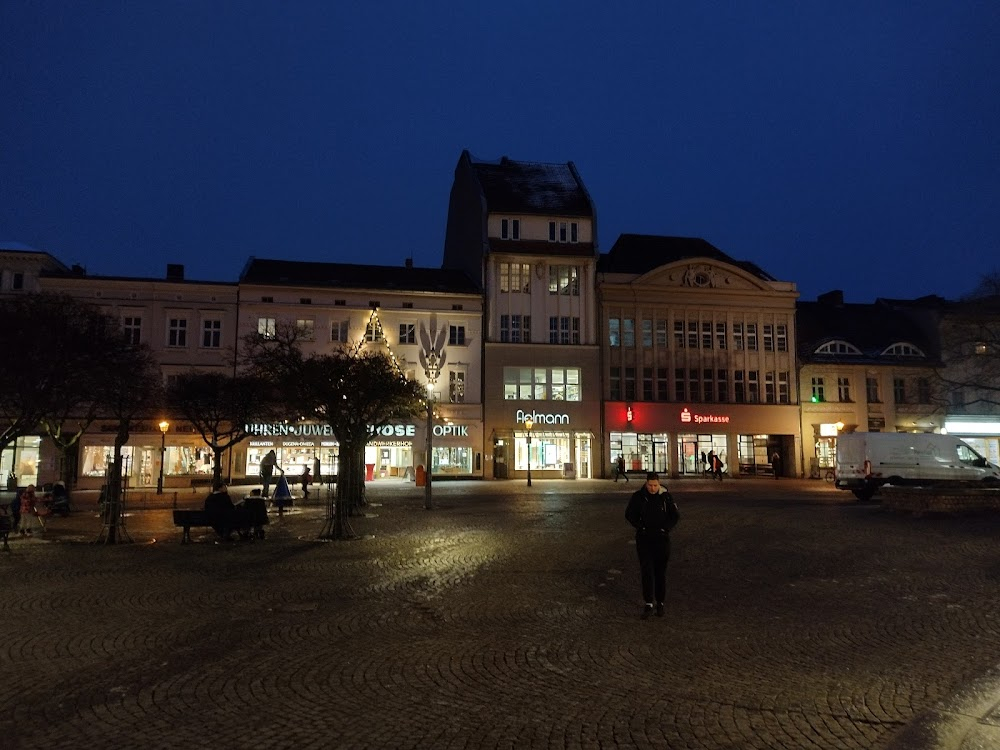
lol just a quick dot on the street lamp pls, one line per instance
(428, 496)
(164, 426)
(528, 425)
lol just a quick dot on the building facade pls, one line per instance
(698, 355)
(525, 232)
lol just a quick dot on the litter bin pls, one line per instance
(369, 472)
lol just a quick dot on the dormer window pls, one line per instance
(837, 347)
(564, 231)
(510, 229)
(902, 349)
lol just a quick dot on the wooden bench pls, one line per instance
(188, 518)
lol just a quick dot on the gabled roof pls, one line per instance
(872, 328)
(524, 187)
(357, 276)
(641, 253)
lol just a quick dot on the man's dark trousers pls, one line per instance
(654, 552)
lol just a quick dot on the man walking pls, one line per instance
(776, 463)
(267, 466)
(620, 468)
(653, 514)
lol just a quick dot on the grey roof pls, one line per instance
(532, 187)
(641, 253)
(870, 327)
(352, 275)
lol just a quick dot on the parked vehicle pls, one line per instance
(868, 460)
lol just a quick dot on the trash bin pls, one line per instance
(421, 476)
(369, 472)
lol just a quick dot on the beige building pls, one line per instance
(698, 356)
(525, 233)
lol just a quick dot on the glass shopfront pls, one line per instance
(19, 462)
(564, 455)
(694, 450)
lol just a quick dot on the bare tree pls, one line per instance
(221, 407)
(970, 347)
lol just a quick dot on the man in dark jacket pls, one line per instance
(653, 513)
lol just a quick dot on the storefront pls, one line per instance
(982, 433)
(551, 448)
(677, 439)
(19, 462)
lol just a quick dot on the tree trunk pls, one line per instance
(337, 525)
(217, 468)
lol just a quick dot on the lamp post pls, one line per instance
(428, 496)
(164, 426)
(528, 425)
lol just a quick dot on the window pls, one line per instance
(707, 381)
(267, 299)
(409, 306)
(305, 300)
(515, 277)
(510, 229)
(899, 390)
(628, 332)
(456, 335)
(177, 332)
(305, 327)
(739, 386)
(647, 383)
(694, 390)
(753, 383)
(843, 389)
(783, 387)
(923, 391)
(407, 333)
(373, 330)
(629, 383)
(515, 329)
(738, 336)
(768, 337)
(614, 332)
(564, 231)
(265, 327)
(817, 391)
(661, 333)
(706, 334)
(616, 383)
(564, 280)
(903, 349)
(752, 337)
(338, 331)
(769, 388)
(340, 302)
(564, 330)
(692, 334)
(662, 386)
(453, 307)
(720, 335)
(456, 386)
(837, 347)
(211, 334)
(679, 334)
(679, 391)
(17, 280)
(132, 326)
(782, 332)
(871, 390)
(647, 334)
(539, 383)
(722, 381)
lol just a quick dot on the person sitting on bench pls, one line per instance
(222, 514)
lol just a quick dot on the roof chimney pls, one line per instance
(175, 272)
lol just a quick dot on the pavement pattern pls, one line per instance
(507, 617)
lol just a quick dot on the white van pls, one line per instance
(867, 460)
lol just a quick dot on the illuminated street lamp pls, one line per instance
(428, 492)
(528, 424)
(164, 426)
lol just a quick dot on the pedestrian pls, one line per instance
(31, 507)
(653, 513)
(267, 466)
(223, 515)
(704, 463)
(776, 463)
(715, 465)
(620, 468)
(306, 478)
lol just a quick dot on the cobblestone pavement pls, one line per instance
(505, 618)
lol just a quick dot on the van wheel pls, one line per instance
(864, 495)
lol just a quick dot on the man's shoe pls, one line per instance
(646, 611)
(659, 609)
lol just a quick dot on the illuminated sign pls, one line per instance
(828, 430)
(539, 418)
(628, 414)
(451, 430)
(691, 418)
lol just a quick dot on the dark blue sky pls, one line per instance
(838, 145)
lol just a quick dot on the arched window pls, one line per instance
(837, 347)
(902, 349)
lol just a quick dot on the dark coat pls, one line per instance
(652, 515)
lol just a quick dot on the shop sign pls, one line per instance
(394, 430)
(451, 430)
(540, 418)
(298, 429)
(689, 417)
(831, 430)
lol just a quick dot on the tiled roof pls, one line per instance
(352, 275)
(641, 253)
(532, 187)
(870, 327)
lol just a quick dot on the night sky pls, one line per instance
(849, 146)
